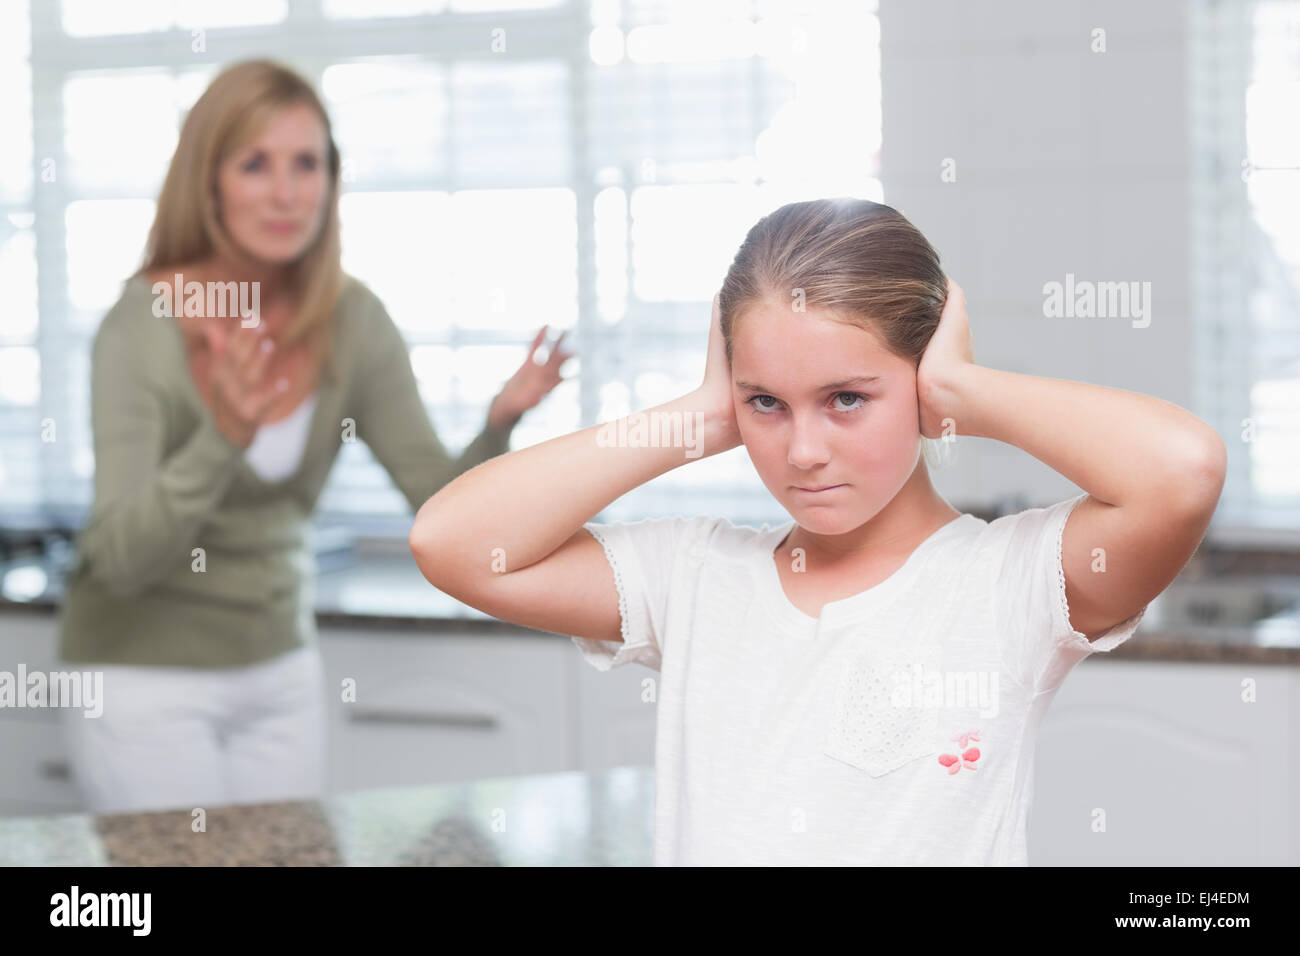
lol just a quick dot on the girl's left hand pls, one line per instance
(949, 353)
(530, 384)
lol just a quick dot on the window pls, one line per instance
(1246, 251)
(20, 332)
(507, 164)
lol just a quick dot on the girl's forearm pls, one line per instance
(529, 502)
(1119, 446)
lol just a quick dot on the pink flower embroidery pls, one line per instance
(968, 756)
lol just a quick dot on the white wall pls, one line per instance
(1066, 161)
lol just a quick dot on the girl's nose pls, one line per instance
(808, 447)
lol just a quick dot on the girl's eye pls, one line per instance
(307, 162)
(253, 164)
(763, 408)
(853, 395)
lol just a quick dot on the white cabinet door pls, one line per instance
(1185, 772)
(36, 777)
(434, 707)
(616, 714)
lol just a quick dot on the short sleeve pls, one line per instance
(641, 555)
(1033, 617)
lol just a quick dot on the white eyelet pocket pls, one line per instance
(877, 723)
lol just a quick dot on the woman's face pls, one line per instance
(820, 403)
(271, 192)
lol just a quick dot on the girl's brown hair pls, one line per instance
(861, 260)
(233, 109)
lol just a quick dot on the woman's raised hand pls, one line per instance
(242, 391)
(530, 383)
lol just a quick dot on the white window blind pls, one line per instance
(1245, 102)
(591, 165)
(20, 331)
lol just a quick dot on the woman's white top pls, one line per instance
(897, 728)
(277, 448)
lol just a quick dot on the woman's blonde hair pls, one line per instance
(234, 108)
(859, 258)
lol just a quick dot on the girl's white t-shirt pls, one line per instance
(896, 729)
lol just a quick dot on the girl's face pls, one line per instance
(271, 192)
(823, 405)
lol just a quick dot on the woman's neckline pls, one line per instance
(300, 411)
(847, 608)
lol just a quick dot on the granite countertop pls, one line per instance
(384, 589)
(1223, 608)
(556, 819)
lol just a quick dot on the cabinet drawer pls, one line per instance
(37, 778)
(434, 707)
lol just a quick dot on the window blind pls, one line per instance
(590, 165)
(1245, 152)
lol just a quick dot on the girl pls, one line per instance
(214, 436)
(861, 684)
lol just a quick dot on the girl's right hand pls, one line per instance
(715, 393)
(242, 392)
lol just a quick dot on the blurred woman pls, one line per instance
(224, 381)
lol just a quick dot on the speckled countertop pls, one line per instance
(556, 819)
(1223, 609)
(374, 590)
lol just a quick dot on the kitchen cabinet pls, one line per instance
(616, 714)
(465, 705)
(434, 707)
(1186, 772)
(35, 777)
(430, 706)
